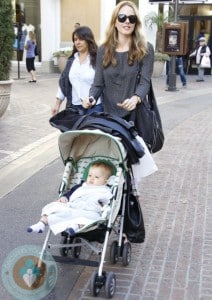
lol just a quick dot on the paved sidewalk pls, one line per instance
(175, 262)
(28, 142)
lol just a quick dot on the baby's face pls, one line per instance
(97, 176)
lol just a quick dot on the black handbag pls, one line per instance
(148, 122)
(36, 50)
(133, 220)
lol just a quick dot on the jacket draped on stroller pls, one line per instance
(71, 119)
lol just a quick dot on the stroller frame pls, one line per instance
(120, 248)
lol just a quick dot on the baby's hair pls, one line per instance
(107, 168)
(105, 164)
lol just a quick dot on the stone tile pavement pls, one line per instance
(175, 261)
(27, 139)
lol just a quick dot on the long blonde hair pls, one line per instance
(138, 46)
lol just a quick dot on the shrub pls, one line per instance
(6, 38)
(161, 57)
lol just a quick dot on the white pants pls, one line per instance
(201, 72)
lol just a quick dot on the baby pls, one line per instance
(84, 203)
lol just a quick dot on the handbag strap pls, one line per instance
(138, 75)
(150, 94)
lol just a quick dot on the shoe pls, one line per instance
(199, 80)
(29, 229)
(71, 231)
(38, 227)
(30, 81)
(184, 84)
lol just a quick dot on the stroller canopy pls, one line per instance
(71, 120)
(76, 144)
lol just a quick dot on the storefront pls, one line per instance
(53, 21)
(26, 18)
(199, 18)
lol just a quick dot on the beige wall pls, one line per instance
(86, 12)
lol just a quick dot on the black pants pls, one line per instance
(30, 64)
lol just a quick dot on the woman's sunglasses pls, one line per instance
(122, 18)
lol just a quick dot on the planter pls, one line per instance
(158, 68)
(5, 89)
(61, 61)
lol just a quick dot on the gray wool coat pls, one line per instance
(119, 83)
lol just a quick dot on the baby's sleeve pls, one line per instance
(105, 200)
(70, 192)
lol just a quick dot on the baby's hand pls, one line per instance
(62, 199)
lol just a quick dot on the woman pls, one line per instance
(119, 59)
(30, 56)
(78, 75)
(201, 50)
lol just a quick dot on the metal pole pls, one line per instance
(172, 69)
(18, 49)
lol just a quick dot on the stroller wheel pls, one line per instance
(126, 254)
(110, 285)
(64, 251)
(76, 251)
(114, 252)
(95, 284)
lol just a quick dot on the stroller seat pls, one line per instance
(74, 173)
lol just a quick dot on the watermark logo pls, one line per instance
(28, 274)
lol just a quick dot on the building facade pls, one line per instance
(53, 21)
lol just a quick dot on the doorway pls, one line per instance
(197, 26)
(27, 18)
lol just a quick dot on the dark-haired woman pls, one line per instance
(77, 77)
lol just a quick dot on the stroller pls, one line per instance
(79, 148)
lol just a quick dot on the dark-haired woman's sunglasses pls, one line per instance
(122, 18)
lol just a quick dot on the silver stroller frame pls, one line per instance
(121, 247)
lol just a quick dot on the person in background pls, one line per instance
(30, 56)
(124, 53)
(77, 77)
(179, 69)
(76, 25)
(201, 49)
